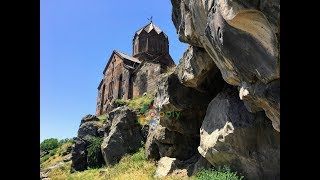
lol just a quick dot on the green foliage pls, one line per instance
(94, 153)
(219, 174)
(44, 158)
(141, 102)
(49, 144)
(138, 156)
(103, 117)
(130, 167)
(53, 152)
(121, 101)
(66, 140)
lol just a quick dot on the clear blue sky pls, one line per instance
(76, 40)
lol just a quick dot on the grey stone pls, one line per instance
(231, 135)
(242, 39)
(124, 136)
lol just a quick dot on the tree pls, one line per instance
(49, 144)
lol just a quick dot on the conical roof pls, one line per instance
(149, 27)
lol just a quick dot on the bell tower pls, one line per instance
(150, 39)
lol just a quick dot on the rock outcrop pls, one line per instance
(216, 105)
(88, 129)
(231, 135)
(165, 143)
(124, 137)
(166, 165)
(231, 42)
(242, 39)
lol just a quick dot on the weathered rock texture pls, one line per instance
(230, 135)
(163, 142)
(165, 166)
(87, 130)
(190, 103)
(124, 137)
(241, 37)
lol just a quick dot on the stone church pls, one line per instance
(125, 77)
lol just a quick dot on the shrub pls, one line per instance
(103, 117)
(44, 158)
(220, 174)
(49, 144)
(121, 101)
(95, 158)
(53, 152)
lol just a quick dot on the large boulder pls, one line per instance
(124, 136)
(183, 108)
(194, 66)
(68, 150)
(163, 142)
(79, 156)
(88, 129)
(88, 118)
(231, 135)
(261, 96)
(165, 166)
(242, 39)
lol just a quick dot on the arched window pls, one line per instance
(110, 93)
(102, 99)
(120, 87)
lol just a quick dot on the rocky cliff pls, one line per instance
(226, 87)
(226, 90)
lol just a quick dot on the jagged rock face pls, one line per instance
(230, 135)
(194, 66)
(242, 39)
(187, 104)
(87, 130)
(88, 118)
(260, 96)
(162, 142)
(124, 136)
(151, 147)
(79, 156)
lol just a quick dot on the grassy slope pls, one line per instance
(130, 167)
(56, 157)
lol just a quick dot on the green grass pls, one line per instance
(102, 117)
(219, 174)
(55, 156)
(138, 102)
(133, 167)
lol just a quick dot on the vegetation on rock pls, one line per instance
(137, 103)
(219, 174)
(94, 152)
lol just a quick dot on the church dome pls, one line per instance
(149, 27)
(150, 39)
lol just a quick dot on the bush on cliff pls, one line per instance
(95, 158)
(49, 144)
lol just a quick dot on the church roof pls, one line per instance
(124, 56)
(149, 27)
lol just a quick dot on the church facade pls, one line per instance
(125, 77)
